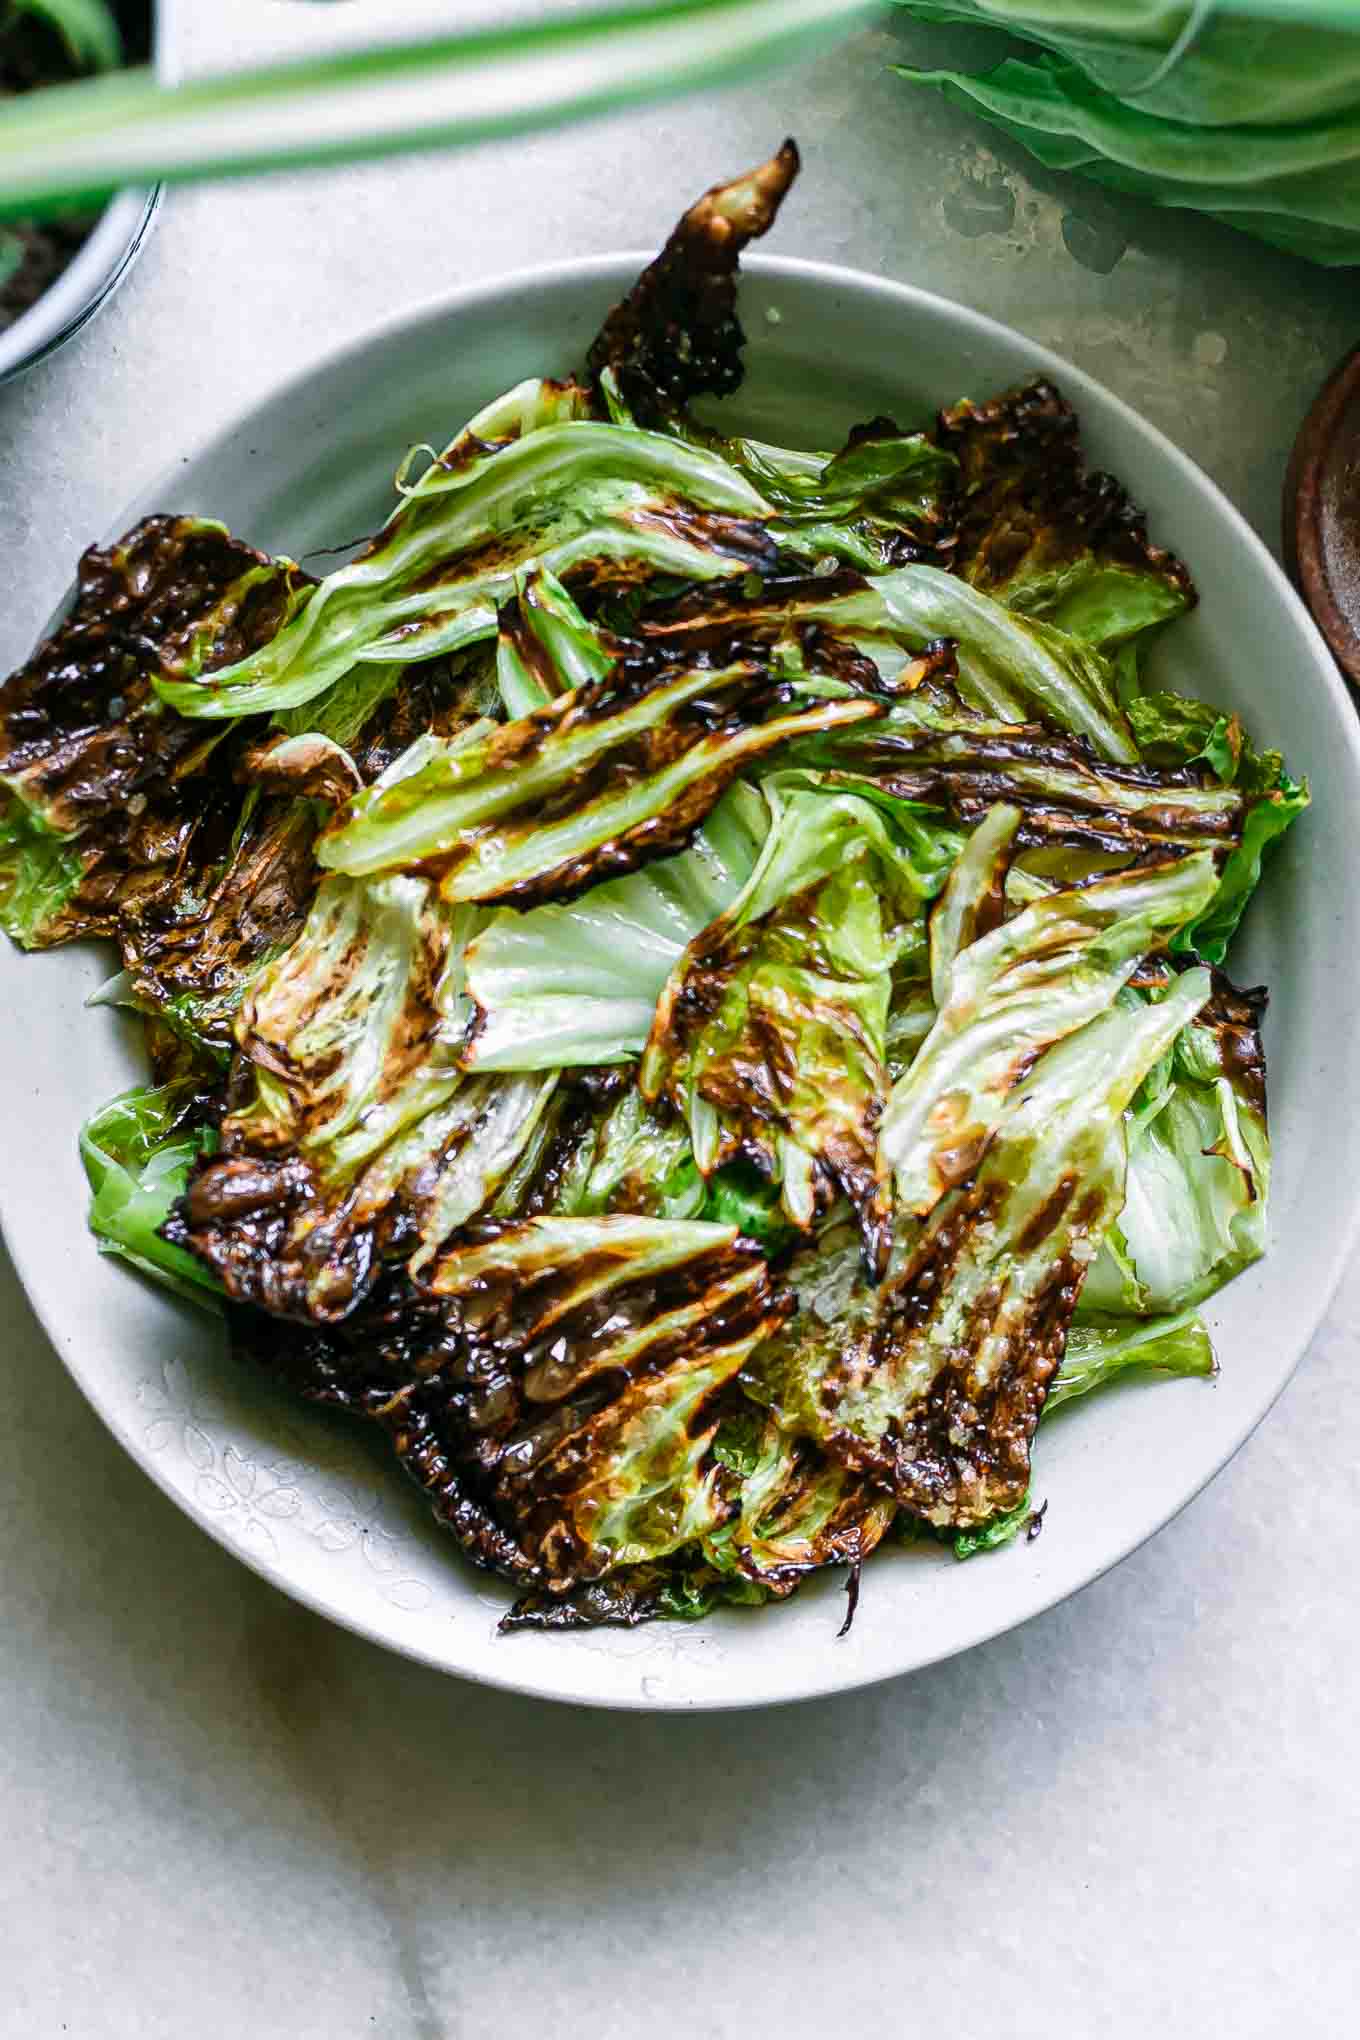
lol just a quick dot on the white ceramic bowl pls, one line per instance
(316, 1506)
(88, 282)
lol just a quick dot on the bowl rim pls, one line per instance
(903, 300)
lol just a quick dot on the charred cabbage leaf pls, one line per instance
(797, 1511)
(613, 1154)
(189, 954)
(933, 751)
(545, 646)
(676, 335)
(1190, 733)
(594, 783)
(933, 1384)
(601, 504)
(1010, 995)
(769, 1035)
(883, 499)
(353, 1137)
(1040, 534)
(110, 799)
(1197, 1205)
(1007, 666)
(593, 1358)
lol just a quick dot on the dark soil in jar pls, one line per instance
(33, 253)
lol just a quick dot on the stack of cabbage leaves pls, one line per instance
(682, 981)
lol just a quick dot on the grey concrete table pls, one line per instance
(222, 1817)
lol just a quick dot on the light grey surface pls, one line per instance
(1138, 1813)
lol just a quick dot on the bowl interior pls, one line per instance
(316, 1506)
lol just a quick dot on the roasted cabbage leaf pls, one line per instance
(592, 784)
(932, 1385)
(138, 1151)
(1010, 995)
(600, 503)
(594, 1356)
(769, 1035)
(1197, 1206)
(1038, 532)
(110, 800)
(1101, 1349)
(676, 335)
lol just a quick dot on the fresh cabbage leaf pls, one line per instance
(1295, 185)
(1258, 63)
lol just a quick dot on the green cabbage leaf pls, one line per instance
(1248, 112)
(138, 1151)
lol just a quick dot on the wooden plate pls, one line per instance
(1322, 513)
